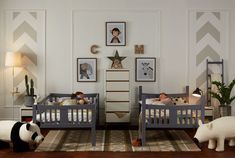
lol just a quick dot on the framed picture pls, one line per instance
(115, 33)
(86, 69)
(145, 69)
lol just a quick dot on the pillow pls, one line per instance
(155, 101)
(57, 101)
(151, 100)
(158, 103)
(61, 99)
(69, 102)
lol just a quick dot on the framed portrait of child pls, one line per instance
(115, 33)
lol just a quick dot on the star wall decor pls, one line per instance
(117, 61)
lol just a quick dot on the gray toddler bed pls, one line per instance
(54, 115)
(169, 116)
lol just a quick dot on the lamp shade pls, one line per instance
(197, 93)
(13, 59)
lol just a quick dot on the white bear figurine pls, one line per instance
(216, 132)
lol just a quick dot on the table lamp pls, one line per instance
(197, 92)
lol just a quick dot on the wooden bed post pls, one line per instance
(187, 92)
(140, 97)
(140, 93)
(34, 114)
(203, 103)
(143, 123)
(93, 126)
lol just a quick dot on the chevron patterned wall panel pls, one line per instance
(25, 33)
(208, 39)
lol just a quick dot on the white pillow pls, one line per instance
(158, 103)
(69, 102)
(151, 100)
(154, 101)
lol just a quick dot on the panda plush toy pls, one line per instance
(22, 135)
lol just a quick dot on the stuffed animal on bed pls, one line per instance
(216, 132)
(80, 98)
(21, 135)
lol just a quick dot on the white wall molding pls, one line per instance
(208, 39)
(25, 33)
(2, 65)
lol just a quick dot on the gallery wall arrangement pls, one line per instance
(112, 41)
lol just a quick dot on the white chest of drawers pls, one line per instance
(117, 102)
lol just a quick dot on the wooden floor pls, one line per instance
(205, 153)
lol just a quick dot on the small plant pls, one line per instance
(29, 91)
(224, 92)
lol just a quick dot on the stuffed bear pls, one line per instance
(216, 132)
(80, 97)
(22, 135)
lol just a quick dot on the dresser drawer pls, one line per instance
(117, 117)
(117, 75)
(117, 86)
(117, 96)
(117, 106)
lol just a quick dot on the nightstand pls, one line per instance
(26, 113)
(209, 113)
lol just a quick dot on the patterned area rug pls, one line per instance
(116, 140)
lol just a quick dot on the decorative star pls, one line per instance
(117, 61)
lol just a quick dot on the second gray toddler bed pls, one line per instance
(182, 115)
